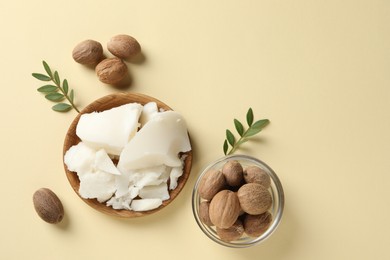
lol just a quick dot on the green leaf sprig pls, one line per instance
(253, 129)
(57, 92)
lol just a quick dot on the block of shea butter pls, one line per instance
(110, 129)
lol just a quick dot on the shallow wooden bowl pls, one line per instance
(71, 139)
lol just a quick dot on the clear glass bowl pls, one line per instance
(276, 209)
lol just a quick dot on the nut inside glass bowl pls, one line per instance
(276, 209)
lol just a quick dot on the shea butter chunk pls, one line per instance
(111, 129)
(159, 142)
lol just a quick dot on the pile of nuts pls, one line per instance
(109, 70)
(236, 200)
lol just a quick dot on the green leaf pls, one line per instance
(71, 96)
(48, 89)
(249, 117)
(239, 127)
(256, 127)
(225, 147)
(230, 137)
(65, 86)
(41, 77)
(47, 68)
(54, 96)
(57, 78)
(62, 107)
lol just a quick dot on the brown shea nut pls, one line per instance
(88, 52)
(124, 46)
(254, 174)
(254, 198)
(255, 225)
(48, 206)
(232, 233)
(204, 213)
(111, 70)
(211, 183)
(224, 209)
(233, 172)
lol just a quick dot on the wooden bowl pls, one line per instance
(71, 139)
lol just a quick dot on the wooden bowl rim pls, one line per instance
(104, 103)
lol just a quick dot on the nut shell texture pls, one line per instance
(232, 233)
(255, 225)
(254, 174)
(204, 213)
(48, 206)
(224, 209)
(254, 198)
(111, 70)
(233, 172)
(211, 183)
(88, 52)
(124, 46)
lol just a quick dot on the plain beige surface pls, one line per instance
(319, 70)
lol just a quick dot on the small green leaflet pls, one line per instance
(249, 117)
(225, 147)
(48, 89)
(41, 77)
(62, 107)
(230, 137)
(54, 96)
(239, 127)
(253, 129)
(71, 96)
(47, 68)
(65, 86)
(56, 78)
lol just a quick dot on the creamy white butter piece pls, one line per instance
(80, 158)
(155, 191)
(99, 185)
(159, 142)
(110, 129)
(149, 110)
(145, 204)
(104, 163)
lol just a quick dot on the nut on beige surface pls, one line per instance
(124, 46)
(111, 70)
(224, 209)
(88, 52)
(48, 206)
(211, 183)
(254, 198)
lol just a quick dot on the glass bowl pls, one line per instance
(276, 209)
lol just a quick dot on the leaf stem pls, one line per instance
(58, 84)
(240, 141)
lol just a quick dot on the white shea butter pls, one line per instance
(111, 129)
(158, 143)
(148, 166)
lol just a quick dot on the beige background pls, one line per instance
(319, 70)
